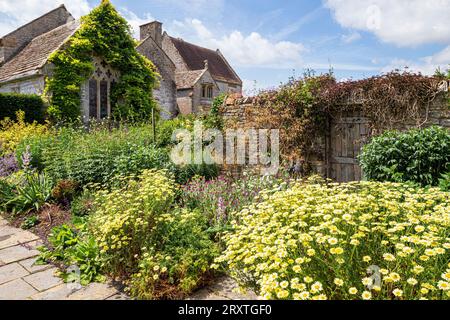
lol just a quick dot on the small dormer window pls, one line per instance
(207, 91)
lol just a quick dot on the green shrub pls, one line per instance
(82, 205)
(33, 194)
(177, 259)
(103, 156)
(419, 156)
(70, 246)
(32, 105)
(30, 222)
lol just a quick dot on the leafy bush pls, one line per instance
(420, 156)
(72, 247)
(33, 194)
(177, 259)
(82, 205)
(444, 182)
(140, 237)
(31, 105)
(315, 241)
(30, 222)
(103, 156)
(65, 191)
(12, 133)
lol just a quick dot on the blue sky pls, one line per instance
(268, 41)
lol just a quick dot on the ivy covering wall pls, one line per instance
(106, 34)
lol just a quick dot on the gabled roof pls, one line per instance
(187, 79)
(194, 57)
(35, 55)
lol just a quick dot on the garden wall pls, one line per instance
(334, 155)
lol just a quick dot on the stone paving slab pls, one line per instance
(94, 291)
(11, 272)
(31, 267)
(10, 237)
(17, 253)
(16, 290)
(44, 280)
(60, 292)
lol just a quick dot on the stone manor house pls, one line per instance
(191, 76)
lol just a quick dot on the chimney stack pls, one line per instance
(154, 30)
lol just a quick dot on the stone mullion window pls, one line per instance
(100, 86)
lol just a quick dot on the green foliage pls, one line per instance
(82, 205)
(30, 222)
(95, 157)
(420, 156)
(32, 194)
(71, 247)
(444, 182)
(103, 156)
(32, 105)
(178, 258)
(106, 34)
(214, 119)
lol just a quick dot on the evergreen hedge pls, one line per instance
(31, 104)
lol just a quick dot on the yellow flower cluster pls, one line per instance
(12, 133)
(344, 241)
(123, 214)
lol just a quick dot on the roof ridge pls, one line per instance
(57, 28)
(62, 6)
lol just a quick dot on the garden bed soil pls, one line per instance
(49, 217)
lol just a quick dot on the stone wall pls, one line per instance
(34, 85)
(16, 40)
(166, 93)
(236, 111)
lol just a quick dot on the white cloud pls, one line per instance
(18, 12)
(351, 37)
(426, 65)
(245, 50)
(402, 22)
(135, 21)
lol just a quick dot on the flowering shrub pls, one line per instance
(352, 241)
(220, 197)
(179, 257)
(125, 217)
(165, 252)
(13, 132)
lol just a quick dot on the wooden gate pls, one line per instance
(348, 134)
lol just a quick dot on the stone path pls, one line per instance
(224, 289)
(21, 279)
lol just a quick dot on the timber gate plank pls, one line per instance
(348, 134)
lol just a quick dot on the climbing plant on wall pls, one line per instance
(103, 33)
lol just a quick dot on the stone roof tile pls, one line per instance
(34, 56)
(194, 56)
